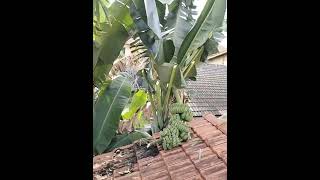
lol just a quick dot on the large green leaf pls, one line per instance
(101, 21)
(107, 112)
(125, 139)
(192, 74)
(161, 8)
(146, 35)
(120, 11)
(146, 16)
(100, 12)
(102, 88)
(154, 24)
(168, 49)
(110, 50)
(183, 23)
(139, 5)
(165, 70)
(210, 47)
(100, 73)
(139, 99)
(173, 9)
(95, 54)
(106, 30)
(105, 2)
(104, 5)
(160, 53)
(210, 18)
(153, 17)
(94, 6)
(99, 32)
(196, 57)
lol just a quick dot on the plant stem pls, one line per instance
(194, 56)
(166, 102)
(158, 94)
(153, 108)
(158, 141)
(144, 74)
(176, 95)
(188, 69)
(148, 80)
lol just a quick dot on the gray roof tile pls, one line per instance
(209, 92)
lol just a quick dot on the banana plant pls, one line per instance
(107, 109)
(175, 51)
(173, 44)
(112, 27)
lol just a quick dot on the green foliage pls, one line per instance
(168, 48)
(121, 13)
(161, 8)
(184, 43)
(141, 120)
(107, 111)
(101, 22)
(152, 16)
(111, 26)
(125, 139)
(182, 21)
(196, 57)
(175, 43)
(210, 18)
(165, 72)
(147, 36)
(139, 99)
(100, 73)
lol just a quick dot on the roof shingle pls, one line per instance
(209, 92)
(204, 156)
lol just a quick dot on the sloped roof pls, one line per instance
(211, 57)
(209, 92)
(202, 157)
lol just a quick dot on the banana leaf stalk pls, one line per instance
(166, 101)
(176, 95)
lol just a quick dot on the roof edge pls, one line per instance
(217, 54)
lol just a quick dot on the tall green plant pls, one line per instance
(174, 48)
(174, 62)
(107, 111)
